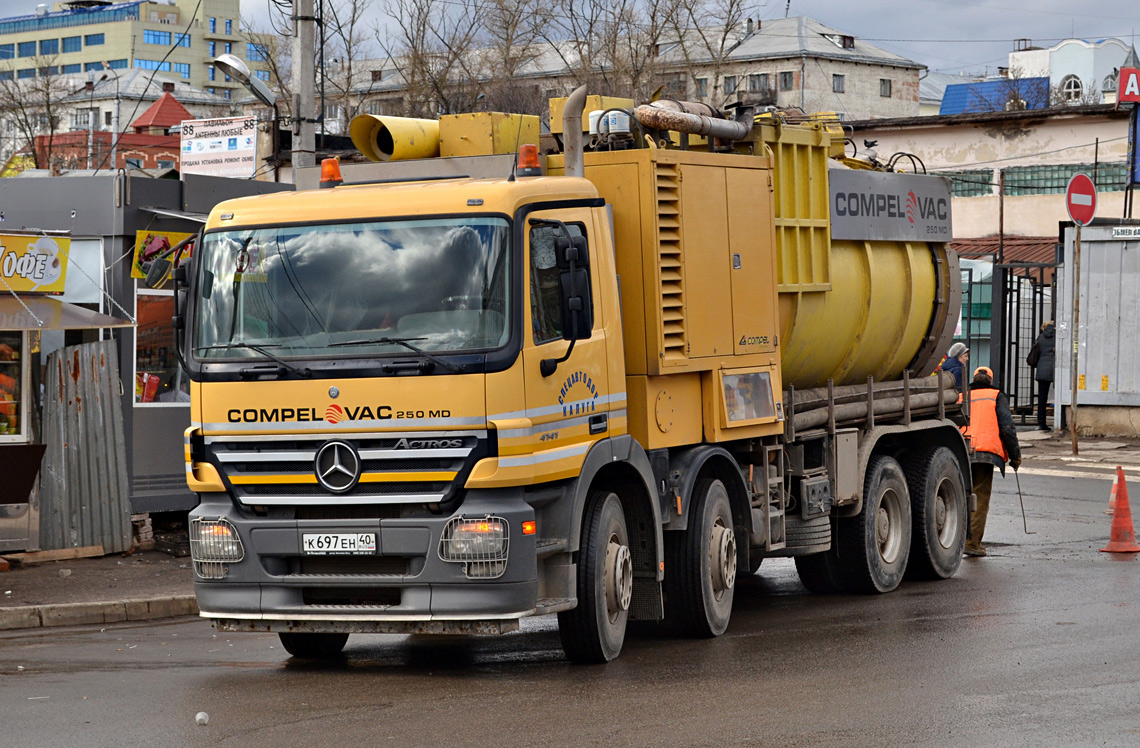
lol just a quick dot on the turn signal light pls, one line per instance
(330, 172)
(529, 527)
(528, 163)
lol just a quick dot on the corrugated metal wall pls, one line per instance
(83, 482)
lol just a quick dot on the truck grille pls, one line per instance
(271, 471)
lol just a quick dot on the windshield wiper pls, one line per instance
(304, 372)
(404, 342)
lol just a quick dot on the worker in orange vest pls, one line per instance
(993, 438)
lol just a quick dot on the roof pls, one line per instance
(793, 37)
(1015, 249)
(993, 95)
(164, 113)
(71, 17)
(932, 86)
(134, 84)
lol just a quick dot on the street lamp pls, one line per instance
(233, 66)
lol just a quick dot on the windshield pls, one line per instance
(353, 289)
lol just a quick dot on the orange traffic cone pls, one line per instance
(1112, 496)
(1123, 538)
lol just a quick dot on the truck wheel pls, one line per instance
(313, 646)
(817, 572)
(700, 565)
(938, 507)
(874, 545)
(594, 631)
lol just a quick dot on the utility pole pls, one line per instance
(304, 85)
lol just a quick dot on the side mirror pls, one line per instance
(577, 309)
(159, 270)
(571, 251)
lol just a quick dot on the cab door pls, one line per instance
(568, 404)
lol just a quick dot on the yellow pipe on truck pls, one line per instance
(382, 138)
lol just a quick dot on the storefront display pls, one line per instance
(13, 384)
(158, 377)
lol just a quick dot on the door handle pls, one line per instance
(599, 423)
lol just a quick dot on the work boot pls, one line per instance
(970, 550)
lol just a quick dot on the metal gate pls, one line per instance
(1024, 298)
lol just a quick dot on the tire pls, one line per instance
(313, 646)
(873, 546)
(817, 572)
(700, 566)
(807, 536)
(594, 631)
(939, 516)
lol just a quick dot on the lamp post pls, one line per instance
(234, 67)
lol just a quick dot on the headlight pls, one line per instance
(213, 542)
(481, 545)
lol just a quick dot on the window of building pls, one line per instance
(545, 283)
(49, 70)
(136, 163)
(256, 52)
(377, 76)
(150, 36)
(787, 81)
(6, 75)
(152, 65)
(971, 182)
(84, 119)
(702, 87)
(158, 377)
(838, 83)
(333, 112)
(229, 48)
(229, 26)
(226, 93)
(26, 73)
(26, 49)
(213, 25)
(89, 66)
(91, 40)
(165, 164)
(212, 72)
(375, 106)
(49, 46)
(1071, 88)
(118, 64)
(74, 67)
(1052, 179)
(107, 118)
(885, 88)
(182, 40)
(72, 44)
(675, 84)
(758, 82)
(181, 67)
(213, 49)
(729, 85)
(261, 75)
(7, 51)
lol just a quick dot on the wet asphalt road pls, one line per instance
(1036, 645)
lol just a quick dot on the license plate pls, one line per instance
(338, 543)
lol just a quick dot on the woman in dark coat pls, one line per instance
(1045, 352)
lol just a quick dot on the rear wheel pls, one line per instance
(938, 506)
(313, 646)
(594, 631)
(874, 545)
(817, 572)
(700, 565)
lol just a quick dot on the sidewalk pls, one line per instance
(151, 585)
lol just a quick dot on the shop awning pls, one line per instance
(46, 313)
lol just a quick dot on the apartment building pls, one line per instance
(86, 36)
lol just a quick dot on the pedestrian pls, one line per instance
(1043, 357)
(955, 363)
(993, 439)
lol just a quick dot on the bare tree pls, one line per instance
(706, 33)
(278, 50)
(431, 49)
(33, 105)
(346, 43)
(1015, 92)
(510, 48)
(1072, 91)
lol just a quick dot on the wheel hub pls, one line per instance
(619, 577)
(883, 526)
(723, 564)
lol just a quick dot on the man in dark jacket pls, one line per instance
(993, 439)
(955, 363)
(1046, 355)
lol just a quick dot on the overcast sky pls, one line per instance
(946, 35)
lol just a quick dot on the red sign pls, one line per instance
(1080, 199)
(1129, 89)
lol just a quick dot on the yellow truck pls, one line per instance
(604, 382)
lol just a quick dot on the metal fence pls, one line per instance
(83, 481)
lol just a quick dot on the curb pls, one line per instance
(79, 614)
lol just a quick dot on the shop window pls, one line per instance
(13, 385)
(158, 377)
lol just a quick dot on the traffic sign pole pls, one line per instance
(1076, 337)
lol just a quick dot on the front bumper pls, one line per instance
(403, 586)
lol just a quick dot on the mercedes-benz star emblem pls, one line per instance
(337, 466)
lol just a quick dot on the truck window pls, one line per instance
(545, 305)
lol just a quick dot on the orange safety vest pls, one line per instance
(983, 427)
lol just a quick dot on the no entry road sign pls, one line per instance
(1080, 199)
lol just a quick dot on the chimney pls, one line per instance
(748, 26)
(89, 86)
(168, 87)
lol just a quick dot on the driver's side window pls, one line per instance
(545, 298)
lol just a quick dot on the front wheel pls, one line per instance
(594, 631)
(700, 565)
(313, 646)
(874, 545)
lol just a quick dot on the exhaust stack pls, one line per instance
(572, 133)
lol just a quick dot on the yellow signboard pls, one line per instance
(1081, 382)
(33, 264)
(152, 244)
(1104, 384)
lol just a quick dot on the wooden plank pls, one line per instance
(32, 558)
